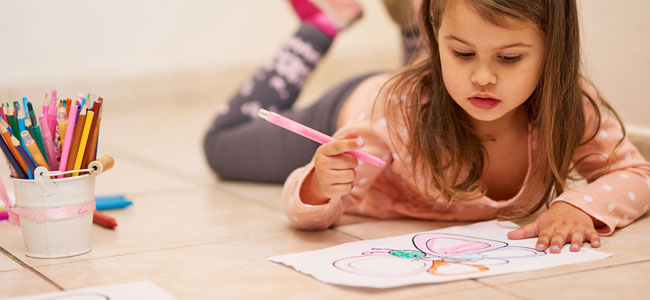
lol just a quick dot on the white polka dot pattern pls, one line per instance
(603, 134)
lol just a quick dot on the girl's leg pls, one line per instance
(259, 151)
(277, 84)
(403, 13)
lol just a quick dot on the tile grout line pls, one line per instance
(32, 269)
(140, 252)
(148, 163)
(567, 273)
(350, 235)
(498, 289)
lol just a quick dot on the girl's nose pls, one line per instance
(483, 76)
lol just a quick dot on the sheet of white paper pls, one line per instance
(454, 253)
(129, 291)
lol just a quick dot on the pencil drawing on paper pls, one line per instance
(439, 254)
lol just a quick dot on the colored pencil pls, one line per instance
(13, 161)
(23, 154)
(76, 139)
(46, 106)
(49, 144)
(12, 120)
(69, 133)
(35, 132)
(68, 102)
(2, 114)
(20, 118)
(7, 138)
(33, 150)
(91, 145)
(51, 113)
(84, 140)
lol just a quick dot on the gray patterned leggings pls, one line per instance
(240, 146)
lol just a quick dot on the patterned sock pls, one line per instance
(410, 44)
(277, 84)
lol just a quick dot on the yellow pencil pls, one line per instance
(84, 140)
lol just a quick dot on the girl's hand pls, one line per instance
(560, 224)
(334, 171)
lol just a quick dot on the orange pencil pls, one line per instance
(91, 145)
(7, 137)
(68, 102)
(76, 139)
(38, 157)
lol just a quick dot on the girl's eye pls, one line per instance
(463, 55)
(510, 59)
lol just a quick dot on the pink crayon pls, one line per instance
(314, 135)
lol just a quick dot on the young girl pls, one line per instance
(488, 123)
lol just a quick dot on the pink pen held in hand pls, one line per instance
(314, 135)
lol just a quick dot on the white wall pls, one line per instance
(47, 43)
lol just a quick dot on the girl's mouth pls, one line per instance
(484, 102)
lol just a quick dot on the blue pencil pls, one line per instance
(12, 160)
(31, 166)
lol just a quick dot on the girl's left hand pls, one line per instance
(560, 224)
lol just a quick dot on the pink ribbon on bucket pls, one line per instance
(43, 214)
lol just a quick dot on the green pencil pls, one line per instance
(36, 132)
(12, 122)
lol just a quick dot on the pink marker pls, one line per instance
(69, 132)
(314, 135)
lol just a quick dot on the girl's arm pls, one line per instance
(304, 203)
(618, 189)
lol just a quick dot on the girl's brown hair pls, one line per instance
(445, 148)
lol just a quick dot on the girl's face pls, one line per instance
(488, 70)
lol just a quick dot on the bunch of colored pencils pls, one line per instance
(63, 138)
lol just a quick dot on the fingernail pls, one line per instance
(574, 246)
(597, 243)
(555, 248)
(540, 245)
(359, 141)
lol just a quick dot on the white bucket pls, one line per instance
(61, 237)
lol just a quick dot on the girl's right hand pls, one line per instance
(334, 171)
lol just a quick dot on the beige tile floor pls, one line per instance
(201, 238)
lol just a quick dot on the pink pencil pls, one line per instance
(51, 114)
(69, 132)
(49, 143)
(314, 135)
(46, 106)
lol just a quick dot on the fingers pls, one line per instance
(527, 231)
(559, 238)
(544, 239)
(341, 146)
(594, 238)
(335, 170)
(577, 237)
(554, 238)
